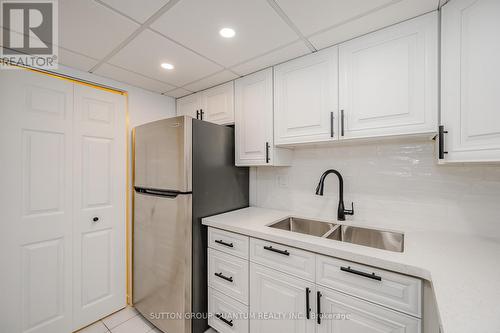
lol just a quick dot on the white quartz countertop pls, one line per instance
(464, 271)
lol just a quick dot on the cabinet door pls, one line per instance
(254, 118)
(218, 106)
(189, 105)
(36, 202)
(389, 81)
(99, 148)
(341, 313)
(282, 296)
(306, 98)
(470, 80)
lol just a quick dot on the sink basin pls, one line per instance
(303, 226)
(380, 239)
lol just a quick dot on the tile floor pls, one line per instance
(127, 320)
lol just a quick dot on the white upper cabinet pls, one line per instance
(214, 105)
(306, 98)
(254, 122)
(218, 105)
(389, 81)
(189, 105)
(470, 81)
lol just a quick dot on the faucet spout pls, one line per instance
(341, 211)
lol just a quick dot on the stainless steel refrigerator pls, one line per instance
(183, 171)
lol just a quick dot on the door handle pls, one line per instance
(222, 276)
(270, 248)
(318, 307)
(221, 242)
(331, 125)
(308, 307)
(372, 276)
(224, 320)
(342, 122)
(267, 152)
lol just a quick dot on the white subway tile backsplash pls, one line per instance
(398, 185)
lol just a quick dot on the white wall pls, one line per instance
(396, 185)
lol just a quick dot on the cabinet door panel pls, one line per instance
(388, 80)
(217, 104)
(276, 293)
(254, 117)
(470, 80)
(306, 94)
(187, 106)
(346, 314)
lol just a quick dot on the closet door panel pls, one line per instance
(99, 202)
(35, 202)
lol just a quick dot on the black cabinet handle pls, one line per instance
(267, 152)
(197, 114)
(221, 242)
(331, 124)
(318, 307)
(341, 122)
(441, 134)
(201, 114)
(308, 307)
(372, 276)
(270, 248)
(222, 276)
(224, 320)
(95, 219)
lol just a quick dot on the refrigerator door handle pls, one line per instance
(158, 192)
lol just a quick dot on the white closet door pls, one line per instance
(35, 202)
(99, 204)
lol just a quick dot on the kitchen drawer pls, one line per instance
(283, 258)
(228, 242)
(396, 291)
(226, 314)
(360, 316)
(228, 274)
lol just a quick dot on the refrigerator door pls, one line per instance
(162, 259)
(163, 154)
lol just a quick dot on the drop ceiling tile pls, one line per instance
(291, 51)
(389, 15)
(90, 28)
(138, 10)
(211, 81)
(179, 92)
(75, 60)
(148, 50)
(134, 79)
(196, 24)
(314, 15)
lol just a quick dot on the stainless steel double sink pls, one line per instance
(385, 240)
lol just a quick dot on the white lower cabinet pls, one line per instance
(341, 313)
(331, 296)
(226, 314)
(280, 302)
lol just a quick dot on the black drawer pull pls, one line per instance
(308, 306)
(270, 248)
(348, 269)
(318, 307)
(224, 320)
(222, 276)
(221, 242)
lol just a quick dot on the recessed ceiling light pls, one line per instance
(166, 65)
(227, 32)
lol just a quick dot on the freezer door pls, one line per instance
(162, 259)
(162, 151)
